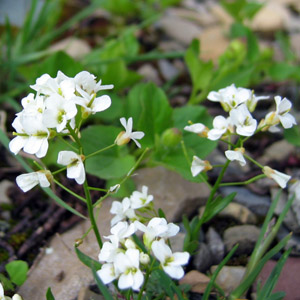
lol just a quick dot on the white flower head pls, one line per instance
(199, 165)
(140, 199)
(27, 181)
(277, 176)
(107, 273)
(122, 210)
(242, 119)
(109, 250)
(230, 97)
(125, 136)
(127, 265)
(197, 128)
(171, 262)
(220, 126)
(74, 163)
(122, 230)
(156, 228)
(236, 154)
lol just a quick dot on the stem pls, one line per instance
(244, 182)
(254, 161)
(73, 134)
(69, 191)
(146, 280)
(97, 189)
(69, 145)
(99, 151)
(91, 213)
(59, 170)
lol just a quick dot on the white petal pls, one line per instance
(16, 144)
(175, 272)
(125, 281)
(66, 157)
(107, 273)
(27, 181)
(101, 103)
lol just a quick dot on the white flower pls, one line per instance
(230, 97)
(125, 136)
(220, 126)
(16, 297)
(281, 115)
(140, 199)
(121, 210)
(107, 273)
(171, 262)
(3, 297)
(236, 154)
(86, 82)
(199, 165)
(277, 176)
(74, 163)
(109, 250)
(58, 111)
(122, 230)
(127, 264)
(197, 128)
(242, 119)
(157, 227)
(27, 181)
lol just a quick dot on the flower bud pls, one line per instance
(144, 258)
(130, 244)
(171, 137)
(122, 139)
(17, 297)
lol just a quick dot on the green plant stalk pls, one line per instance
(145, 281)
(99, 151)
(91, 213)
(69, 191)
(253, 161)
(244, 182)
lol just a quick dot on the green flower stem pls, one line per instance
(101, 199)
(97, 189)
(59, 170)
(99, 151)
(189, 163)
(74, 135)
(91, 213)
(146, 280)
(244, 182)
(69, 191)
(69, 145)
(253, 161)
(212, 194)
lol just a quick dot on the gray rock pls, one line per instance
(167, 69)
(229, 277)
(244, 235)
(259, 205)
(215, 245)
(149, 73)
(294, 241)
(177, 242)
(203, 259)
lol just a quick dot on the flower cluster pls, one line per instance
(3, 297)
(53, 109)
(239, 103)
(124, 259)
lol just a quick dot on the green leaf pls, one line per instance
(113, 163)
(88, 261)
(7, 284)
(151, 111)
(49, 295)
(292, 135)
(17, 271)
(282, 71)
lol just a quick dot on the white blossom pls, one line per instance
(277, 176)
(242, 119)
(27, 181)
(140, 199)
(199, 165)
(171, 262)
(109, 250)
(121, 210)
(107, 273)
(220, 126)
(74, 163)
(197, 128)
(236, 154)
(125, 136)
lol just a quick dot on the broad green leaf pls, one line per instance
(282, 71)
(17, 271)
(113, 163)
(292, 135)
(151, 111)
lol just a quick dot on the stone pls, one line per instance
(4, 186)
(167, 69)
(215, 245)
(244, 235)
(75, 47)
(221, 14)
(181, 30)
(86, 294)
(274, 152)
(229, 277)
(173, 194)
(203, 259)
(149, 73)
(288, 280)
(259, 205)
(177, 242)
(238, 212)
(293, 243)
(213, 43)
(197, 280)
(271, 18)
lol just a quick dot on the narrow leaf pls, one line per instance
(88, 261)
(49, 295)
